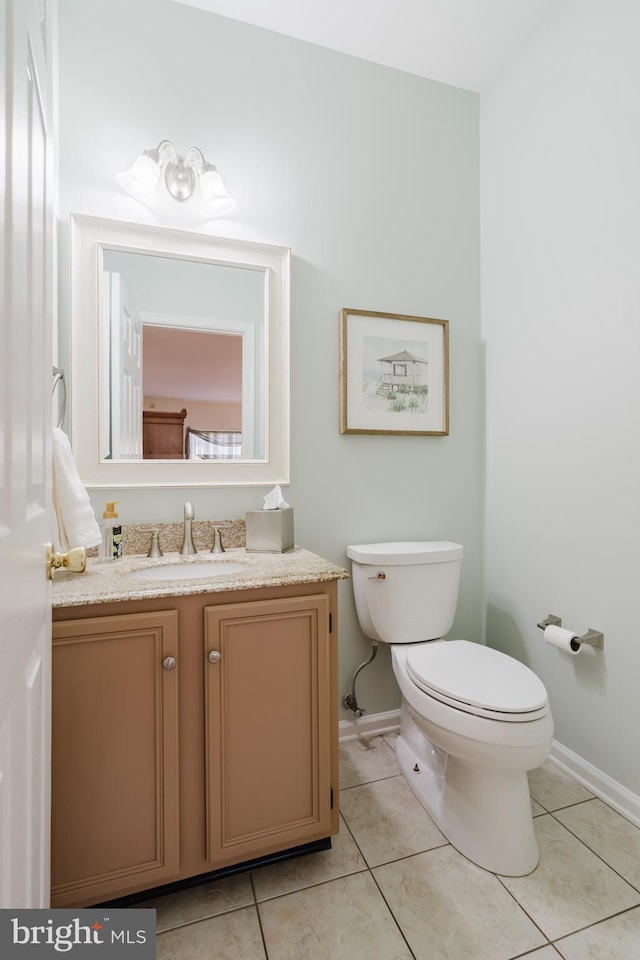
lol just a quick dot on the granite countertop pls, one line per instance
(108, 582)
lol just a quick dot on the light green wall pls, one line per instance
(370, 175)
(560, 275)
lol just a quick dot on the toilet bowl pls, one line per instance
(473, 720)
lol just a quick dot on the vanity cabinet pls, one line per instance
(190, 734)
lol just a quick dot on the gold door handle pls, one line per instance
(75, 559)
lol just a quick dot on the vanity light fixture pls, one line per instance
(181, 176)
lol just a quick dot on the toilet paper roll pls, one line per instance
(562, 639)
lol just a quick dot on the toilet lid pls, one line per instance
(477, 679)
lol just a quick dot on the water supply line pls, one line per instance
(349, 701)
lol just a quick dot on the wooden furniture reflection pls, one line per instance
(163, 435)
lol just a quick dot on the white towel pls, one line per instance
(77, 524)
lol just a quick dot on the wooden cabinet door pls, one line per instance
(268, 727)
(115, 756)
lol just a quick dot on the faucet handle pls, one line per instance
(217, 543)
(189, 512)
(154, 547)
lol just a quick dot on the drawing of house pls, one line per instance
(402, 371)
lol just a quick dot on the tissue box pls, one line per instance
(269, 531)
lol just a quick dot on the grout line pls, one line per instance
(319, 883)
(257, 909)
(311, 886)
(395, 920)
(420, 853)
(352, 835)
(370, 872)
(365, 783)
(565, 806)
(531, 953)
(633, 886)
(524, 910)
(195, 920)
(596, 923)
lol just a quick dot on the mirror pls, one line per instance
(179, 357)
(180, 335)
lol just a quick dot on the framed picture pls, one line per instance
(394, 374)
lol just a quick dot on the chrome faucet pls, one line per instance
(188, 547)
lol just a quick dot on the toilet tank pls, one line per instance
(406, 591)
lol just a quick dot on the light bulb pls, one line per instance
(215, 199)
(141, 178)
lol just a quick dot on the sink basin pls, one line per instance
(189, 571)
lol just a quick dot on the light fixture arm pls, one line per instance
(193, 155)
(167, 151)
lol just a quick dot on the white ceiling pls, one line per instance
(465, 43)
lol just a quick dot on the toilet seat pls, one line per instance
(476, 679)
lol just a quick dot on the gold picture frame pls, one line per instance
(394, 374)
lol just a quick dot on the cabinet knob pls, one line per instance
(214, 656)
(169, 663)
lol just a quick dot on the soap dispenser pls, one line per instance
(111, 547)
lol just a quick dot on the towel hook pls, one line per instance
(58, 378)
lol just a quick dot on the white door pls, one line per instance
(124, 370)
(26, 298)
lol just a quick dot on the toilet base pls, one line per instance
(484, 814)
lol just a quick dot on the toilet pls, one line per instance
(473, 720)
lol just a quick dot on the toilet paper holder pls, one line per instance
(594, 638)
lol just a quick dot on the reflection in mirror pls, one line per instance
(179, 357)
(199, 372)
(181, 335)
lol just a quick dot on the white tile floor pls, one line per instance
(392, 888)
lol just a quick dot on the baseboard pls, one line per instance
(599, 783)
(369, 726)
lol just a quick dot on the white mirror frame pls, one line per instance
(89, 236)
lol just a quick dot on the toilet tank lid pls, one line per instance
(399, 552)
